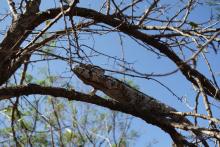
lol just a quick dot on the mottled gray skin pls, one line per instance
(118, 90)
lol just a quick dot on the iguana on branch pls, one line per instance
(118, 90)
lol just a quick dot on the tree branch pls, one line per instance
(162, 122)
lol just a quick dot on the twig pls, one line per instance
(147, 12)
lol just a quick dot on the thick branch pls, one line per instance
(6, 93)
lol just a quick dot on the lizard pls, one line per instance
(122, 92)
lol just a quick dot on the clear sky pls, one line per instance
(145, 61)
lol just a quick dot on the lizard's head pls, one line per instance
(88, 71)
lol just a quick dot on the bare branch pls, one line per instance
(12, 7)
(6, 93)
(147, 12)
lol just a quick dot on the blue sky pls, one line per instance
(145, 61)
